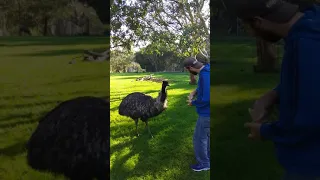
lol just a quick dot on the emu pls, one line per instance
(140, 106)
(73, 140)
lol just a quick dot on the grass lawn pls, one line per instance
(234, 89)
(34, 77)
(168, 155)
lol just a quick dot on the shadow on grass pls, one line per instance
(235, 67)
(76, 79)
(13, 150)
(56, 41)
(43, 103)
(32, 118)
(166, 151)
(15, 116)
(233, 150)
(61, 52)
(54, 53)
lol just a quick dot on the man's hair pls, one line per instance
(277, 11)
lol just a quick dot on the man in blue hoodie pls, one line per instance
(296, 134)
(201, 137)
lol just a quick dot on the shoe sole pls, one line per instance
(205, 169)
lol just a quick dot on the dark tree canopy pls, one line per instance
(102, 8)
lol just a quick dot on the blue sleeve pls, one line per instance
(280, 134)
(303, 126)
(204, 100)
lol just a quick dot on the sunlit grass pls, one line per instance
(169, 154)
(34, 77)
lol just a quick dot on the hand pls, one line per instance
(192, 94)
(189, 102)
(254, 130)
(261, 106)
(258, 114)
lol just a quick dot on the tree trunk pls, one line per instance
(45, 26)
(88, 27)
(193, 80)
(266, 57)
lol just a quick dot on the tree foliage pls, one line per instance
(177, 25)
(38, 14)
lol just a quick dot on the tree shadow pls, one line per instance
(14, 150)
(15, 116)
(235, 67)
(173, 123)
(79, 78)
(43, 103)
(32, 118)
(231, 149)
(52, 41)
(54, 52)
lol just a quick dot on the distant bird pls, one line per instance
(73, 140)
(140, 106)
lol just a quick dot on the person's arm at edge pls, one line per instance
(205, 100)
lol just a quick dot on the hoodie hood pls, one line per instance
(308, 25)
(206, 68)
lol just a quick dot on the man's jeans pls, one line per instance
(201, 141)
(289, 176)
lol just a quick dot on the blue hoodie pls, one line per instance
(296, 134)
(202, 102)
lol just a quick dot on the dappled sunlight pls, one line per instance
(234, 88)
(167, 155)
(32, 86)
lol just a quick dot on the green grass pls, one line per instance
(169, 154)
(34, 77)
(234, 88)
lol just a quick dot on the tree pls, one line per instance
(119, 61)
(101, 7)
(180, 26)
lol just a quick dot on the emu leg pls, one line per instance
(148, 128)
(136, 121)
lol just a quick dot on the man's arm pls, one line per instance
(205, 99)
(303, 125)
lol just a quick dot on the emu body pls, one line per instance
(73, 140)
(140, 106)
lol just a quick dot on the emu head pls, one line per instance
(165, 84)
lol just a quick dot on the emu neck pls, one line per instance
(163, 94)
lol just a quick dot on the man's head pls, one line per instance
(267, 19)
(192, 65)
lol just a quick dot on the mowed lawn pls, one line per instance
(34, 77)
(234, 88)
(169, 154)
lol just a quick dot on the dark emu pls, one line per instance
(73, 140)
(140, 106)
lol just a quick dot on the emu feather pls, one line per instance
(73, 140)
(140, 106)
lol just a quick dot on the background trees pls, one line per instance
(167, 30)
(59, 17)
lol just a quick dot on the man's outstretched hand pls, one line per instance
(254, 130)
(189, 101)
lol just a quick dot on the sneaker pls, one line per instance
(198, 168)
